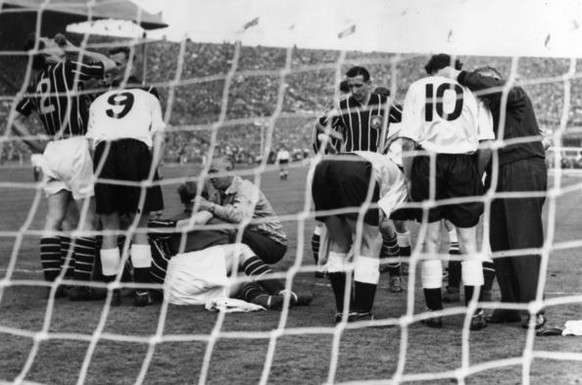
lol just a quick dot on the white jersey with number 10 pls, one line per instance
(442, 116)
(125, 114)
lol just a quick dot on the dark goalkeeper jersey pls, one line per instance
(361, 126)
(56, 95)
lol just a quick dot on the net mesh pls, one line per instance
(245, 102)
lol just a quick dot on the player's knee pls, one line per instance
(54, 221)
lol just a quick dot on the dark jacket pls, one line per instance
(520, 118)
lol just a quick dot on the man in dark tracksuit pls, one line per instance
(516, 223)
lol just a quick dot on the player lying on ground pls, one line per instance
(351, 183)
(200, 262)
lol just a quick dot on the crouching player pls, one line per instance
(194, 263)
(352, 186)
(126, 129)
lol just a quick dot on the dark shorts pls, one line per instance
(341, 182)
(266, 248)
(456, 177)
(126, 160)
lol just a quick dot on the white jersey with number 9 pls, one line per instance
(125, 114)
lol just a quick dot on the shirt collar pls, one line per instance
(233, 188)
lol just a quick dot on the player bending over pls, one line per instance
(352, 182)
(126, 130)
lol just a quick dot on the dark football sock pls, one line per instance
(338, 285)
(455, 269)
(391, 250)
(85, 251)
(469, 291)
(50, 257)
(67, 256)
(315, 242)
(259, 272)
(489, 274)
(433, 299)
(251, 290)
(364, 294)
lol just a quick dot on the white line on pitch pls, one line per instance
(28, 271)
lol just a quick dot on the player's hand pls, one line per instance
(203, 204)
(62, 41)
(449, 72)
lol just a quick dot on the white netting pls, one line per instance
(244, 102)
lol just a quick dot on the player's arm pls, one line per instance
(242, 207)
(492, 88)
(484, 155)
(410, 127)
(197, 219)
(23, 110)
(408, 148)
(108, 64)
(158, 127)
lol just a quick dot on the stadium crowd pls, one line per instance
(196, 87)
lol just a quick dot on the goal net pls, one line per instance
(246, 100)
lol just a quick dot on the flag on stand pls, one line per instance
(347, 32)
(251, 23)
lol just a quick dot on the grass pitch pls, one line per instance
(63, 342)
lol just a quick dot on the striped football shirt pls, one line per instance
(362, 126)
(56, 95)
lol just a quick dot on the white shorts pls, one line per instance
(197, 277)
(68, 166)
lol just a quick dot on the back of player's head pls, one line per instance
(344, 87)
(187, 191)
(489, 72)
(358, 71)
(38, 60)
(440, 61)
(124, 50)
(222, 161)
(381, 91)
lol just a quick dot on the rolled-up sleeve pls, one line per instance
(242, 206)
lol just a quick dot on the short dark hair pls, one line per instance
(38, 60)
(344, 87)
(440, 61)
(490, 72)
(116, 50)
(187, 191)
(357, 71)
(381, 91)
